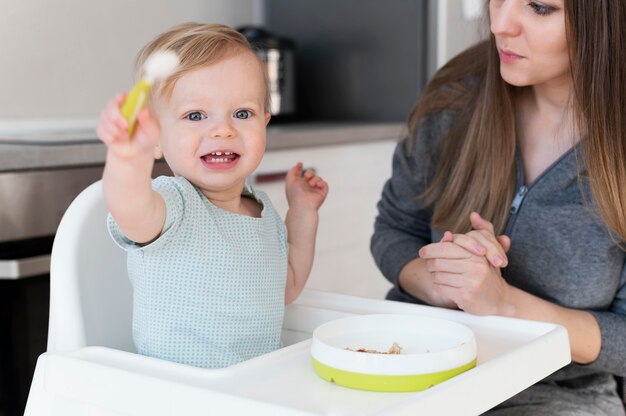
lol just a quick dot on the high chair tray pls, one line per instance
(512, 355)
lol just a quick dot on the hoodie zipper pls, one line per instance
(515, 206)
(517, 201)
(523, 190)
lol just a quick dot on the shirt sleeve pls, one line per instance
(402, 225)
(172, 192)
(612, 324)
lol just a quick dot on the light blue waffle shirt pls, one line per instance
(210, 290)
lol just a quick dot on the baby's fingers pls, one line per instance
(112, 126)
(311, 178)
(322, 185)
(295, 172)
(309, 174)
(114, 113)
(110, 133)
(148, 131)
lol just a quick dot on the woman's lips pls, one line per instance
(508, 57)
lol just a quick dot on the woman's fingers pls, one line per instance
(448, 237)
(476, 243)
(449, 279)
(479, 223)
(493, 250)
(470, 243)
(445, 265)
(505, 242)
(446, 250)
(495, 247)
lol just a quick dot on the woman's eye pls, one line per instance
(541, 9)
(195, 116)
(243, 114)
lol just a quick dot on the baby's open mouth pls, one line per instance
(220, 157)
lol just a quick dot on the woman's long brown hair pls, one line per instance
(597, 38)
(476, 171)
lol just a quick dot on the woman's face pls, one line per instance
(530, 37)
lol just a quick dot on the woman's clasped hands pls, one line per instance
(465, 268)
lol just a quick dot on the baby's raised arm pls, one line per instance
(305, 194)
(138, 210)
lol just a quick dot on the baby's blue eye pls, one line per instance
(243, 114)
(195, 116)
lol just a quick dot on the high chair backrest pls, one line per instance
(90, 294)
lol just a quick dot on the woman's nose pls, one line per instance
(505, 17)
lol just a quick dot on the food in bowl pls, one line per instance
(394, 349)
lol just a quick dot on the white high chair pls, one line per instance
(90, 294)
(91, 368)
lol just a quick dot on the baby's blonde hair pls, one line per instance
(198, 45)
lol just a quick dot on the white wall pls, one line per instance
(459, 25)
(65, 58)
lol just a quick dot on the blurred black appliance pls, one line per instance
(357, 60)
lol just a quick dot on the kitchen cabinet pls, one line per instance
(356, 173)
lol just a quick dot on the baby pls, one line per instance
(211, 262)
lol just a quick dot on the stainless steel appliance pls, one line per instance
(32, 202)
(32, 205)
(278, 54)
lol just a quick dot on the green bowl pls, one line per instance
(433, 351)
(377, 382)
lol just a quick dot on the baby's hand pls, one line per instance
(305, 189)
(112, 130)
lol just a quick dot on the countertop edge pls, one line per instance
(16, 155)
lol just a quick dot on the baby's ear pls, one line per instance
(267, 118)
(158, 153)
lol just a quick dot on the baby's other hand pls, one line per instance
(305, 189)
(112, 130)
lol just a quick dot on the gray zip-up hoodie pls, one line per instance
(560, 249)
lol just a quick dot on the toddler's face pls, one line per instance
(213, 125)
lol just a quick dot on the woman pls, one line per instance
(509, 197)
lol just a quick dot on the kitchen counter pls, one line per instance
(54, 149)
